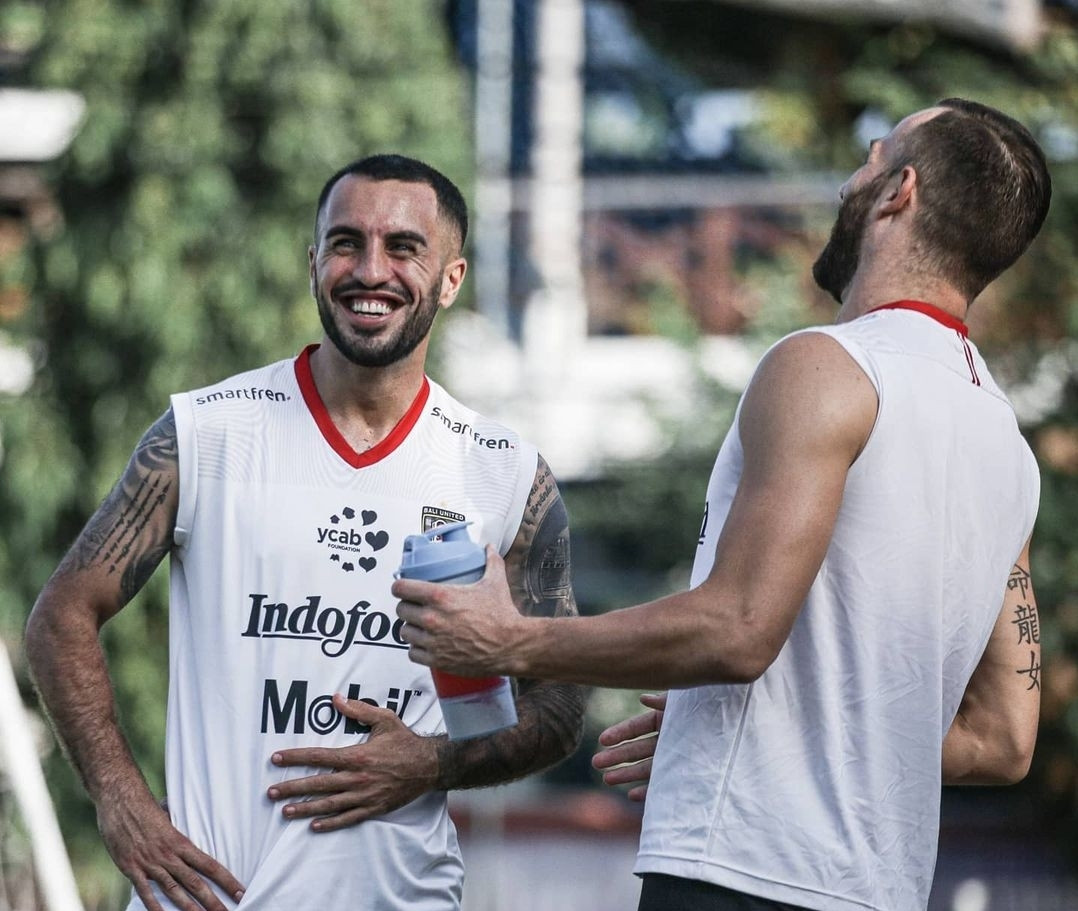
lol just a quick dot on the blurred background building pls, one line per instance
(628, 167)
(650, 181)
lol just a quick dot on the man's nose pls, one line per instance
(373, 267)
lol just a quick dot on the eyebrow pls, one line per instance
(413, 236)
(349, 231)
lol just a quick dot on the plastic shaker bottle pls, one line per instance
(471, 706)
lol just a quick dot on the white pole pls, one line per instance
(19, 757)
(556, 319)
(493, 140)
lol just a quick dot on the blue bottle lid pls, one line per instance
(435, 561)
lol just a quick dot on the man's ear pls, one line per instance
(899, 192)
(310, 270)
(452, 279)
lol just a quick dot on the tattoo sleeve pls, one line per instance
(550, 714)
(115, 554)
(131, 531)
(537, 565)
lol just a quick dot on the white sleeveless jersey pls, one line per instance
(286, 543)
(819, 783)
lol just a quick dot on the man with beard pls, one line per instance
(305, 756)
(861, 625)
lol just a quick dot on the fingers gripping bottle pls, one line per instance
(471, 706)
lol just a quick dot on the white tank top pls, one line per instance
(285, 546)
(819, 783)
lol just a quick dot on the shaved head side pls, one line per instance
(984, 188)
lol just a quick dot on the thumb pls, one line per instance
(495, 564)
(361, 711)
(655, 701)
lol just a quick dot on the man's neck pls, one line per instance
(365, 403)
(864, 295)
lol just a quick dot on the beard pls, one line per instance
(378, 350)
(836, 265)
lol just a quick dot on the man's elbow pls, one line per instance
(562, 719)
(1017, 772)
(53, 626)
(574, 734)
(1016, 757)
(35, 638)
(1009, 761)
(741, 661)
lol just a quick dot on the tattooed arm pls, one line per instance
(394, 766)
(550, 714)
(111, 560)
(991, 739)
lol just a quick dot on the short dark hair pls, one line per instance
(451, 204)
(985, 189)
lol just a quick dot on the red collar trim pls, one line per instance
(329, 430)
(933, 312)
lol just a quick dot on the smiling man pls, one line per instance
(305, 756)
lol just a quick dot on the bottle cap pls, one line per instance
(453, 556)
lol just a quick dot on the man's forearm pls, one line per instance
(71, 676)
(550, 720)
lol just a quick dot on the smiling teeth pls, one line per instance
(370, 308)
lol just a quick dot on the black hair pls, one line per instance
(985, 187)
(451, 204)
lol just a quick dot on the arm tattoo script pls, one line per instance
(130, 532)
(1025, 613)
(538, 565)
(1025, 622)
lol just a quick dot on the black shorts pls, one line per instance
(672, 893)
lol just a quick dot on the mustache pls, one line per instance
(354, 286)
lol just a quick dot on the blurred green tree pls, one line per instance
(188, 203)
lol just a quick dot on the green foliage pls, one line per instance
(188, 203)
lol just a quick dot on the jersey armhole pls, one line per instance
(187, 459)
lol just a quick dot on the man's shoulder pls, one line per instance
(270, 384)
(814, 346)
(469, 426)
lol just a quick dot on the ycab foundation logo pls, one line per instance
(353, 539)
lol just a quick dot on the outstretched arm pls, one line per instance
(805, 416)
(111, 560)
(395, 766)
(991, 738)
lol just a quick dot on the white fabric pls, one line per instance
(819, 784)
(280, 596)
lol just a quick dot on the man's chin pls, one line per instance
(825, 281)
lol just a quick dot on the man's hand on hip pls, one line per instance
(148, 849)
